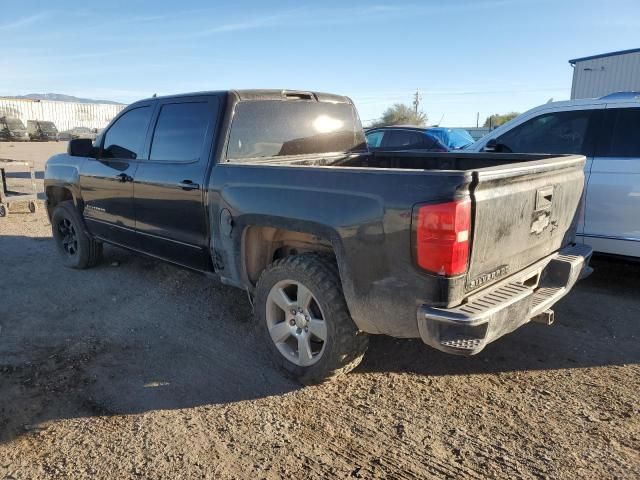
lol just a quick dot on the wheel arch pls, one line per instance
(56, 194)
(261, 245)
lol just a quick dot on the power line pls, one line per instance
(373, 97)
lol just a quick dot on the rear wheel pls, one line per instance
(77, 249)
(304, 319)
(4, 210)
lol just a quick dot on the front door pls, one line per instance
(170, 185)
(107, 182)
(612, 214)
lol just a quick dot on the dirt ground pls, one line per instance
(136, 369)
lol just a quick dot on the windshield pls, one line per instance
(48, 127)
(453, 138)
(278, 128)
(14, 123)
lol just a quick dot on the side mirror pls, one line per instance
(80, 147)
(491, 146)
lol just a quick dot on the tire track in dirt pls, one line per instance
(372, 437)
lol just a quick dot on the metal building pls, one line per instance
(65, 115)
(600, 75)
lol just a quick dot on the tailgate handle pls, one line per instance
(544, 198)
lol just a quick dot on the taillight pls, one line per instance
(442, 237)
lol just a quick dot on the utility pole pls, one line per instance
(416, 101)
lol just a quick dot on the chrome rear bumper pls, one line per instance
(498, 310)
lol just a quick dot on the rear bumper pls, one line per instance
(485, 317)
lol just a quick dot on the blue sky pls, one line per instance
(465, 56)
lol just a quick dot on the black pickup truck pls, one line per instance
(276, 193)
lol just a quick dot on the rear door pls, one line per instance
(612, 213)
(169, 186)
(107, 182)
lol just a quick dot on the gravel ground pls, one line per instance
(136, 369)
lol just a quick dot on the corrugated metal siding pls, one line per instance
(601, 76)
(65, 115)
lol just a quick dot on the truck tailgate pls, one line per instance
(523, 212)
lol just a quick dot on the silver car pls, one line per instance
(606, 131)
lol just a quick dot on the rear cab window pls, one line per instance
(273, 128)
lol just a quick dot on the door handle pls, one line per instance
(123, 177)
(188, 185)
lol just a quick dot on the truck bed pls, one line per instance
(523, 205)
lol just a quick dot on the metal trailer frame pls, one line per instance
(7, 196)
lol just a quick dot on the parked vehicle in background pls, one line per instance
(78, 132)
(42, 131)
(275, 192)
(605, 130)
(452, 138)
(12, 130)
(394, 138)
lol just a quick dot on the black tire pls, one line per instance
(4, 210)
(344, 346)
(76, 247)
(33, 207)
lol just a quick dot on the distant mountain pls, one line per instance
(59, 97)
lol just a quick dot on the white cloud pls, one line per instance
(23, 22)
(312, 16)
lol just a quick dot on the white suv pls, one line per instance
(606, 131)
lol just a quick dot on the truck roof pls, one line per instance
(264, 94)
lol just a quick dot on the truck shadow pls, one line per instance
(134, 335)
(129, 336)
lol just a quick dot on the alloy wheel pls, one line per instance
(69, 237)
(296, 323)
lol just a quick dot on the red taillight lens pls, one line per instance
(442, 237)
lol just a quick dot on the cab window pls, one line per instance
(125, 138)
(180, 131)
(280, 128)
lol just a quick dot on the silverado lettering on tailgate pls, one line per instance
(486, 277)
